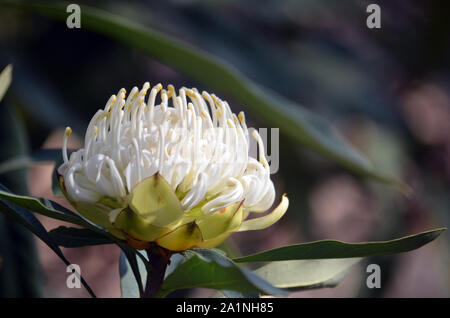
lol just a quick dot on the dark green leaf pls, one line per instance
(28, 220)
(337, 249)
(44, 207)
(54, 210)
(75, 237)
(209, 269)
(129, 278)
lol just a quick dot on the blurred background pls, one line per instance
(387, 90)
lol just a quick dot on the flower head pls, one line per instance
(178, 173)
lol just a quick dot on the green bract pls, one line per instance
(153, 213)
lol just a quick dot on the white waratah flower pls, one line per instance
(178, 174)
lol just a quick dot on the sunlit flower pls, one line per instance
(178, 173)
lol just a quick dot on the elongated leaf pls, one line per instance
(301, 275)
(54, 210)
(293, 120)
(25, 161)
(336, 249)
(42, 155)
(306, 274)
(28, 220)
(75, 237)
(43, 206)
(5, 80)
(209, 269)
(128, 281)
(14, 164)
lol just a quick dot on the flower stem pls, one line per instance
(158, 258)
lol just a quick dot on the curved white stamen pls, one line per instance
(196, 194)
(232, 195)
(192, 140)
(67, 134)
